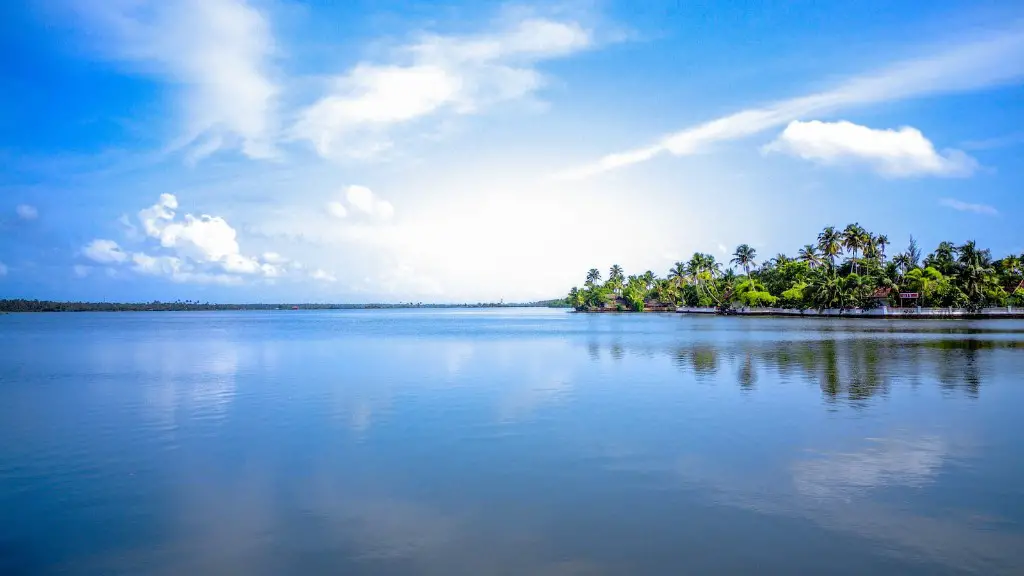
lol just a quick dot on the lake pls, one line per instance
(508, 441)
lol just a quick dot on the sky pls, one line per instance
(457, 151)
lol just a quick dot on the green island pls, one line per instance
(843, 270)
(22, 305)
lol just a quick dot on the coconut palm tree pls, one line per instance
(943, 258)
(830, 244)
(974, 268)
(903, 263)
(615, 279)
(882, 241)
(678, 274)
(593, 276)
(648, 278)
(809, 254)
(703, 270)
(854, 238)
(744, 256)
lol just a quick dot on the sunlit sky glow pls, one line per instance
(272, 150)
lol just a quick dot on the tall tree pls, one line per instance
(744, 256)
(615, 279)
(593, 276)
(678, 274)
(830, 244)
(882, 241)
(913, 253)
(809, 254)
(974, 269)
(943, 258)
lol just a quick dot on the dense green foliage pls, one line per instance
(846, 268)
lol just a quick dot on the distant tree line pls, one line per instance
(23, 305)
(846, 268)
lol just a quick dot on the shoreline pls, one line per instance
(883, 312)
(1008, 313)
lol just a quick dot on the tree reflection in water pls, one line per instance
(851, 370)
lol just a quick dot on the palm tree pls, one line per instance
(593, 276)
(703, 269)
(744, 256)
(678, 274)
(854, 239)
(809, 254)
(903, 263)
(882, 241)
(975, 267)
(943, 258)
(648, 278)
(615, 279)
(830, 244)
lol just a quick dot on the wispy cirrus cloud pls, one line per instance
(901, 153)
(968, 207)
(216, 53)
(996, 60)
(431, 76)
(27, 212)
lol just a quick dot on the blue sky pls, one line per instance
(268, 150)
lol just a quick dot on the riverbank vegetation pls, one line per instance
(843, 268)
(21, 305)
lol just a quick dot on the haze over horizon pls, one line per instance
(390, 151)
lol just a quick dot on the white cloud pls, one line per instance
(202, 249)
(993, 61)
(968, 207)
(215, 51)
(363, 199)
(26, 212)
(177, 270)
(3, 269)
(323, 275)
(81, 271)
(202, 239)
(895, 153)
(435, 74)
(274, 258)
(337, 209)
(104, 252)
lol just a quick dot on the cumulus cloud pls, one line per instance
(996, 60)
(361, 200)
(895, 153)
(104, 252)
(216, 52)
(204, 239)
(81, 271)
(435, 74)
(192, 248)
(968, 207)
(337, 209)
(26, 212)
(323, 275)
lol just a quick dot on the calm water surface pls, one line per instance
(508, 442)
